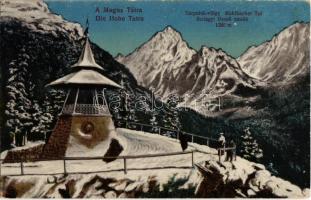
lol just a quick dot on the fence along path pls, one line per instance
(160, 129)
(127, 157)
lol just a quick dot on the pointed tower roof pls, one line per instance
(86, 59)
(84, 77)
(86, 73)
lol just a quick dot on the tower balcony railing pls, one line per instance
(85, 109)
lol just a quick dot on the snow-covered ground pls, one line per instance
(134, 143)
(140, 170)
(89, 177)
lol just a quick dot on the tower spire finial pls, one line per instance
(86, 32)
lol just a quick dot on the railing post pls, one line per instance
(64, 162)
(192, 138)
(235, 153)
(207, 142)
(219, 154)
(192, 159)
(125, 170)
(22, 167)
(159, 131)
(224, 152)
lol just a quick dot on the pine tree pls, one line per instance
(52, 106)
(130, 111)
(17, 110)
(43, 118)
(54, 102)
(175, 122)
(250, 149)
(131, 117)
(44, 113)
(117, 113)
(118, 116)
(172, 120)
(154, 121)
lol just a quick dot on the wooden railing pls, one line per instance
(162, 130)
(141, 128)
(124, 158)
(193, 136)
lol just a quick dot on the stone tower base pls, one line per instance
(56, 147)
(73, 136)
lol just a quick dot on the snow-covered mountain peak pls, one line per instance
(163, 53)
(27, 7)
(216, 59)
(209, 56)
(168, 39)
(210, 52)
(167, 65)
(298, 29)
(281, 59)
(206, 51)
(119, 56)
(35, 15)
(171, 31)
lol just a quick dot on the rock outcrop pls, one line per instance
(243, 179)
(211, 179)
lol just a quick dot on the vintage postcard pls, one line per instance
(154, 99)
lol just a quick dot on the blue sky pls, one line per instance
(124, 37)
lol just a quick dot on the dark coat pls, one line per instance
(183, 141)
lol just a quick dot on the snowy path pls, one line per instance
(134, 143)
(142, 171)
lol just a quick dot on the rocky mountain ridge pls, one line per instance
(282, 59)
(36, 16)
(167, 64)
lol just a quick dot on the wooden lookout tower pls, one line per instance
(85, 123)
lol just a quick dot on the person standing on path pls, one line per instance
(231, 151)
(222, 142)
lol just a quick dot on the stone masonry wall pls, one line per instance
(56, 147)
(29, 154)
